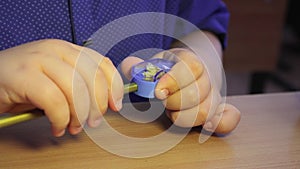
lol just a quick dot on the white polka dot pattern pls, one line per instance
(28, 20)
(106, 11)
(23, 21)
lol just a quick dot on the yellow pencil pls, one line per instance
(11, 120)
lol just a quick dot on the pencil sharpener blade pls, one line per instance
(147, 74)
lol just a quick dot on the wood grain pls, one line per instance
(268, 136)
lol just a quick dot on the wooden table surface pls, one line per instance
(268, 136)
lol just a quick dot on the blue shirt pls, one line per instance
(75, 21)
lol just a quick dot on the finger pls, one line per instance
(183, 73)
(225, 120)
(172, 54)
(115, 84)
(196, 115)
(74, 89)
(86, 63)
(196, 93)
(45, 95)
(127, 64)
(96, 83)
(112, 76)
(79, 58)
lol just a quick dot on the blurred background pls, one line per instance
(263, 54)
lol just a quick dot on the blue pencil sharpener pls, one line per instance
(147, 74)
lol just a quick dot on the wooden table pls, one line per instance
(268, 136)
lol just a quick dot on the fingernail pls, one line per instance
(208, 126)
(97, 122)
(164, 93)
(119, 105)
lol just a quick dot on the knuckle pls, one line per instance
(55, 44)
(51, 42)
(56, 41)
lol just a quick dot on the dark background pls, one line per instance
(286, 73)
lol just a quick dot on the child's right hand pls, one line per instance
(72, 84)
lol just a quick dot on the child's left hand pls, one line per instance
(187, 92)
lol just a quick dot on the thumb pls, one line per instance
(127, 64)
(225, 120)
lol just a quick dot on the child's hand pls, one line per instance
(187, 91)
(72, 84)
